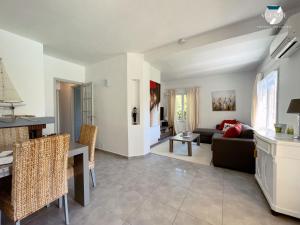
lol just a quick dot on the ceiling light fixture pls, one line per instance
(181, 41)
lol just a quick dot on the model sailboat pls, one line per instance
(8, 93)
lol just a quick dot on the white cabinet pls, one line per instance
(278, 171)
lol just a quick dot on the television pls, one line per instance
(162, 115)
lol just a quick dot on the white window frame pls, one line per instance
(263, 110)
(182, 106)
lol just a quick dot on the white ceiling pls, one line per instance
(90, 30)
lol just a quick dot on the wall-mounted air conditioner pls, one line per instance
(287, 40)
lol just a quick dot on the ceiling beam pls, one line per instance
(256, 25)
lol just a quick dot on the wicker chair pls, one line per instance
(39, 177)
(88, 135)
(9, 136)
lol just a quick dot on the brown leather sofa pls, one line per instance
(235, 153)
(206, 134)
(231, 153)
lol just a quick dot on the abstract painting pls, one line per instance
(154, 103)
(223, 100)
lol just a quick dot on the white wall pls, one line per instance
(110, 103)
(288, 85)
(289, 88)
(32, 73)
(146, 117)
(242, 83)
(138, 143)
(129, 82)
(55, 68)
(60, 69)
(23, 60)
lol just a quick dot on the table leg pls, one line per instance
(190, 148)
(198, 141)
(81, 179)
(171, 145)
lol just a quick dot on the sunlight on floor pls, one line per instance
(201, 154)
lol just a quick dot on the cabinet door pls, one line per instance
(268, 174)
(259, 164)
(264, 171)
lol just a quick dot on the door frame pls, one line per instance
(56, 99)
(92, 96)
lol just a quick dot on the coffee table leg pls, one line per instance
(171, 145)
(190, 148)
(198, 141)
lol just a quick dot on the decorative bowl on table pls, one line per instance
(185, 134)
(280, 128)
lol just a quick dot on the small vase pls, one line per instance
(290, 130)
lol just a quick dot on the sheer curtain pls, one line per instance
(192, 108)
(267, 102)
(171, 108)
(254, 100)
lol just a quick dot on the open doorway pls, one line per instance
(74, 107)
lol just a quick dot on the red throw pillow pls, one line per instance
(233, 132)
(227, 121)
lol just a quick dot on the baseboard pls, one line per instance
(111, 153)
(160, 141)
(122, 156)
(139, 156)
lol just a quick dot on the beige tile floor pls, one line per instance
(158, 190)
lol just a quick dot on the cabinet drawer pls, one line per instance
(263, 145)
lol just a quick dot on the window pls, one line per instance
(267, 101)
(181, 106)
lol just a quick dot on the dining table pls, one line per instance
(81, 172)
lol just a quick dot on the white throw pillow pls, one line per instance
(227, 126)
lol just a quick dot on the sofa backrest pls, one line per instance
(247, 132)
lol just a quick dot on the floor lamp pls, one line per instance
(294, 107)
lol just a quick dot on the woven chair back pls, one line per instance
(39, 174)
(9, 136)
(88, 134)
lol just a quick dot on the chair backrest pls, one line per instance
(39, 173)
(9, 136)
(88, 134)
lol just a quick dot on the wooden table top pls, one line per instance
(75, 149)
(179, 137)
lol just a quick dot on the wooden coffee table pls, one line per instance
(188, 140)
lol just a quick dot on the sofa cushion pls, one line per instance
(247, 132)
(227, 121)
(206, 134)
(206, 131)
(233, 132)
(227, 126)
